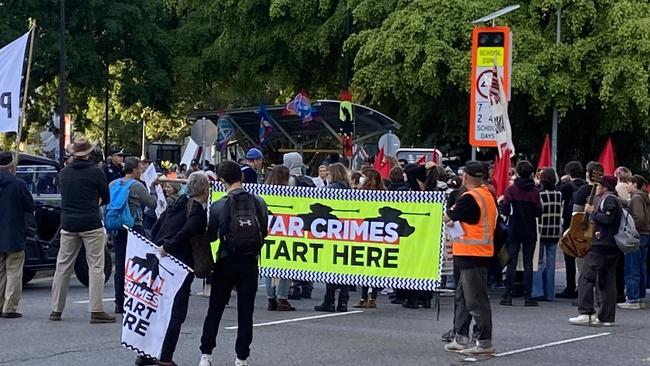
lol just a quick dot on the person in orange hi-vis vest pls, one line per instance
(475, 212)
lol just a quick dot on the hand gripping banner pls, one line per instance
(353, 237)
(150, 286)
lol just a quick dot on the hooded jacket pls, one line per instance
(293, 162)
(522, 204)
(82, 186)
(640, 208)
(15, 203)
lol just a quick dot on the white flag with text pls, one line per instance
(12, 61)
(150, 286)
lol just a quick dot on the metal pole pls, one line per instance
(554, 127)
(23, 108)
(62, 82)
(144, 140)
(473, 153)
(203, 143)
(106, 143)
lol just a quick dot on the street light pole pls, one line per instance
(554, 127)
(62, 82)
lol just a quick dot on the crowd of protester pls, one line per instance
(533, 213)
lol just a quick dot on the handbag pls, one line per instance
(201, 251)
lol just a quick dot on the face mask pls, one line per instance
(362, 180)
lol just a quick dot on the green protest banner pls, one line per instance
(355, 237)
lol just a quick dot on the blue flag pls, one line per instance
(265, 126)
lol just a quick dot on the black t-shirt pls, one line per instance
(582, 195)
(468, 211)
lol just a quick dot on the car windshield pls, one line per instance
(40, 179)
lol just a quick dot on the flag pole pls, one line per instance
(21, 122)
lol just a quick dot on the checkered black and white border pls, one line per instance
(353, 280)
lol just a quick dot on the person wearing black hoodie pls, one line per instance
(83, 189)
(338, 179)
(522, 204)
(16, 204)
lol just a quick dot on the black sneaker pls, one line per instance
(342, 307)
(328, 308)
(530, 302)
(449, 336)
(506, 301)
(567, 294)
(144, 361)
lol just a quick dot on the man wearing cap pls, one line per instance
(476, 212)
(15, 203)
(599, 268)
(115, 168)
(83, 189)
(252, 165)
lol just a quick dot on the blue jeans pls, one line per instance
(280, 292)
(544, 277)
(636, 271)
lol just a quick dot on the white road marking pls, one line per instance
(300, 319)
(546, 345)
(88, 301)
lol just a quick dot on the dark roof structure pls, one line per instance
(288, 131)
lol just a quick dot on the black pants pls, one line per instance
(570, 263)
(229, 273)
(599, 270)
(119, 243)
(472, 302)
(330, 293)
(179, 313)
(620, 278)
(528, 248)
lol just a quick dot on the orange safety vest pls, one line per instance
(478, 240)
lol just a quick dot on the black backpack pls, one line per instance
(241, 233)
(302, 181)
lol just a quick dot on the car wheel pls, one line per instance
(81, 267)
(28, 275)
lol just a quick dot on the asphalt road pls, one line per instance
(389, 335)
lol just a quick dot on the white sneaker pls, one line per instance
(584, 319)
(239, 362)
(479, 351)
(629, 305)
(206, 360)
(456, 347)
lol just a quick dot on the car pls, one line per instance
(42, 246)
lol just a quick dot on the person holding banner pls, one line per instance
(188, 214)
(277, 289)
(373, 182)
(240, 221)
(476, 211)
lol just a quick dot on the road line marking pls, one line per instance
(88, 301)
(546, 345)
(300, 319)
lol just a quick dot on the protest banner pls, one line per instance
(354, 237)
(150, 286)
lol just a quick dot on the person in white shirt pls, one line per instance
(321, 180)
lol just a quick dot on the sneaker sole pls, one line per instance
(98, 321)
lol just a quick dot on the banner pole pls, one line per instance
(21, 122)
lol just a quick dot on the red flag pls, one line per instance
(607, 158)
(501, 174)
(381, 164)
(545, 155)
(422, 160)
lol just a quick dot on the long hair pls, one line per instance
(373, 181)
(278, 176)
(338, 173)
